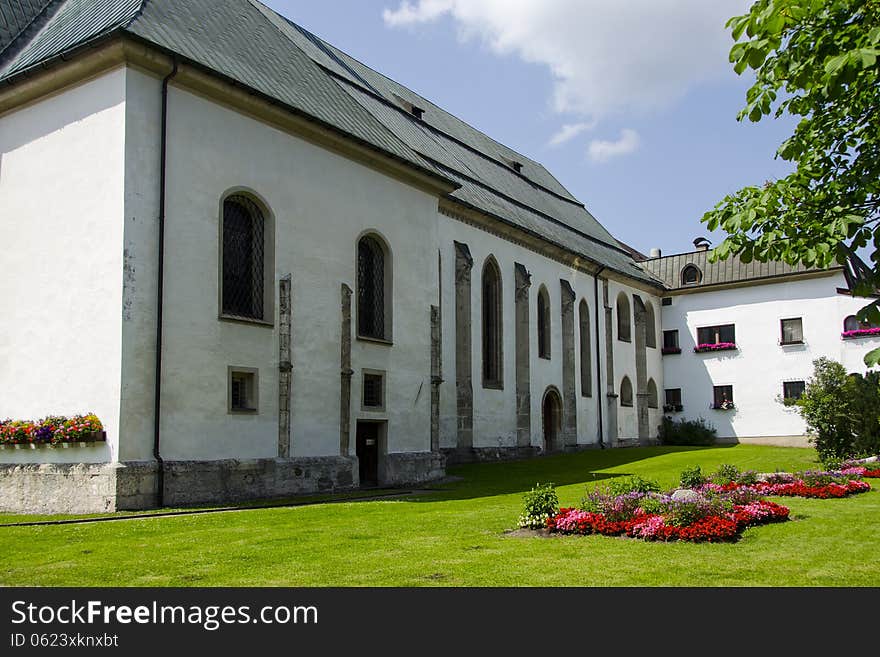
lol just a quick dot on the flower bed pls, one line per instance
(720, 346)
(861, 333)
(52, 430)
(659, 527)
(821, 485)
(825, 491)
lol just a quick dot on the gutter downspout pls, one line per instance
(598, 354)
(157, 408)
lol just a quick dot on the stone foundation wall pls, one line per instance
(57, 487)
(230, 480)
(102, 487)
(778, 441)
(454, 456)
(412, 468)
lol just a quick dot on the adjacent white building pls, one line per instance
(739, 339)
(272, 270)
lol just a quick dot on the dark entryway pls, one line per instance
(367, 448)
(552, 414)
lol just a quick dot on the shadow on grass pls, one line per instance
(506, 477)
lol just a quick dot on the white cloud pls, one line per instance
(602, 151)
(569, 131)
(605, 57)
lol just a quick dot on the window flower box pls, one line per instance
(718, 346)
(670, 350)
(52, 431)
(723, 406)
(861, 333)
(673, 408)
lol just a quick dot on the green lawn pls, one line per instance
(455, 537)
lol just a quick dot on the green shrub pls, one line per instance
(654, 505)
(691, 477)
(686, 432)
(633, 484)
(826, 407)
(747, 477)
(864, 394)
(725, 474)
(539, 504)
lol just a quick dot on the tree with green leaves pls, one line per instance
(819, 61)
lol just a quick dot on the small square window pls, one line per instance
(792, 390)
(673, 400)
(373, 391)
(792, 331)
(722, 397)
(666, 301)
(242, 390)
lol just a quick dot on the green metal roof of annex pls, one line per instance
(724, 272)
(308, 75)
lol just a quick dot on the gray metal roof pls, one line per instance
(732, 270)
(18, 16)
(247, 42)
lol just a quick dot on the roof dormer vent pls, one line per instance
(415, 110)
(513, 164)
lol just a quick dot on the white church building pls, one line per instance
(271, 270)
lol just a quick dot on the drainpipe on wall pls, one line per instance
(598, 354)
(157, 408)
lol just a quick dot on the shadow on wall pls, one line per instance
(44, 118)
(504, 478)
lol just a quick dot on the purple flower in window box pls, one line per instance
(861, 333)
(716, 346)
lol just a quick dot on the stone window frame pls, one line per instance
(494, 360)
(383, 375)
(624, 330)
(650, 325)
(387, 289)
(585, 349)
(653, 395)
(544, 323)
(254, 374)
(626, 400)
(268, 218)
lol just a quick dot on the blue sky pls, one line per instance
(644, 84)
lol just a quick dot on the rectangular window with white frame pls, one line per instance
(722, 398)
(792, 331)
(792, 391)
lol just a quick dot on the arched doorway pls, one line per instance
(551, 411)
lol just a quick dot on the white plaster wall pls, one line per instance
(61, 231)
(625, 361)
(322, 203)
(495, 410)
(759, 366)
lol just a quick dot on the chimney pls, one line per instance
(701, 244)
(655, 253)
